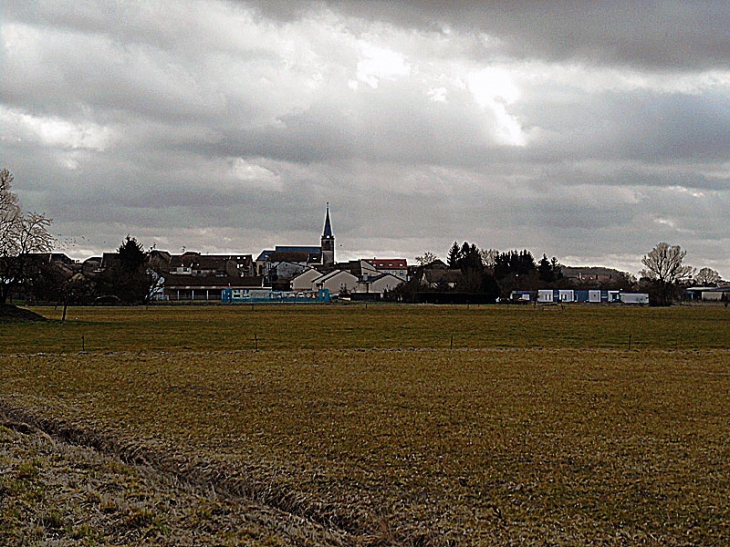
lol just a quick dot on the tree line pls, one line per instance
(485, 275)
(488, 275)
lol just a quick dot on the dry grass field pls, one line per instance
(381, 426)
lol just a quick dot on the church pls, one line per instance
(284, 262)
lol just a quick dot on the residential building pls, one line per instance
(394, 266)
(338, 282)
(378, 284)
(196, 264)
(305, 280)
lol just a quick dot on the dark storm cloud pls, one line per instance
(669, 34)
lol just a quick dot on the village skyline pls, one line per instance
(339, 255)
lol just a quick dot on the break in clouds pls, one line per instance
(587, 131)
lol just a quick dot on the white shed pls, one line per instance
(634, 297)
(566, 295)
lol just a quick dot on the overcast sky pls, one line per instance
(589, 131)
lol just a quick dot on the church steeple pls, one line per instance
(328, 241)
(327, 225)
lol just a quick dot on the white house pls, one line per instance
(634, 298)
(378, 284)
(708, 293)
(305, 281)
(337, 282)
(394, 266)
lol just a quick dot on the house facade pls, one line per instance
(198, 265)
(194, 276)
(379, 284)
(376, 266)
(338, 282)
(305, 280)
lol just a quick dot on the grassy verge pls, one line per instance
(55, 493)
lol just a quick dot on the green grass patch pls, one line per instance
(214, 328)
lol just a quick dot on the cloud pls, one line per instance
(55, 132)
(377, 63)
(582, 130)
(654, 35)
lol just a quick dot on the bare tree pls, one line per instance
(707, 277)
(20, 235)
(665, 269)
(489, 257)
(9, 214)
(427, 258)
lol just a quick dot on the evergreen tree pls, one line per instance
(545, 270)
(549, 270)
(452, 260)
(490, 287)
(514, 263)
(127, 277)
(470, 259)
(557, 269)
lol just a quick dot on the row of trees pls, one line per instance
(25, 239)
(664, 276)
(485, 275)
(502, 264)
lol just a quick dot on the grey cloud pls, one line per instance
(627, 174)
(655, 35)
(230, 128)
(388, 126)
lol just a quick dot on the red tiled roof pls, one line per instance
(388, 263)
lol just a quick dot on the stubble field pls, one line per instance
(383, 425)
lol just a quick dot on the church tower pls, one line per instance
(328, 242)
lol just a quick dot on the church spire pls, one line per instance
(327, 226)
(328, 241)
